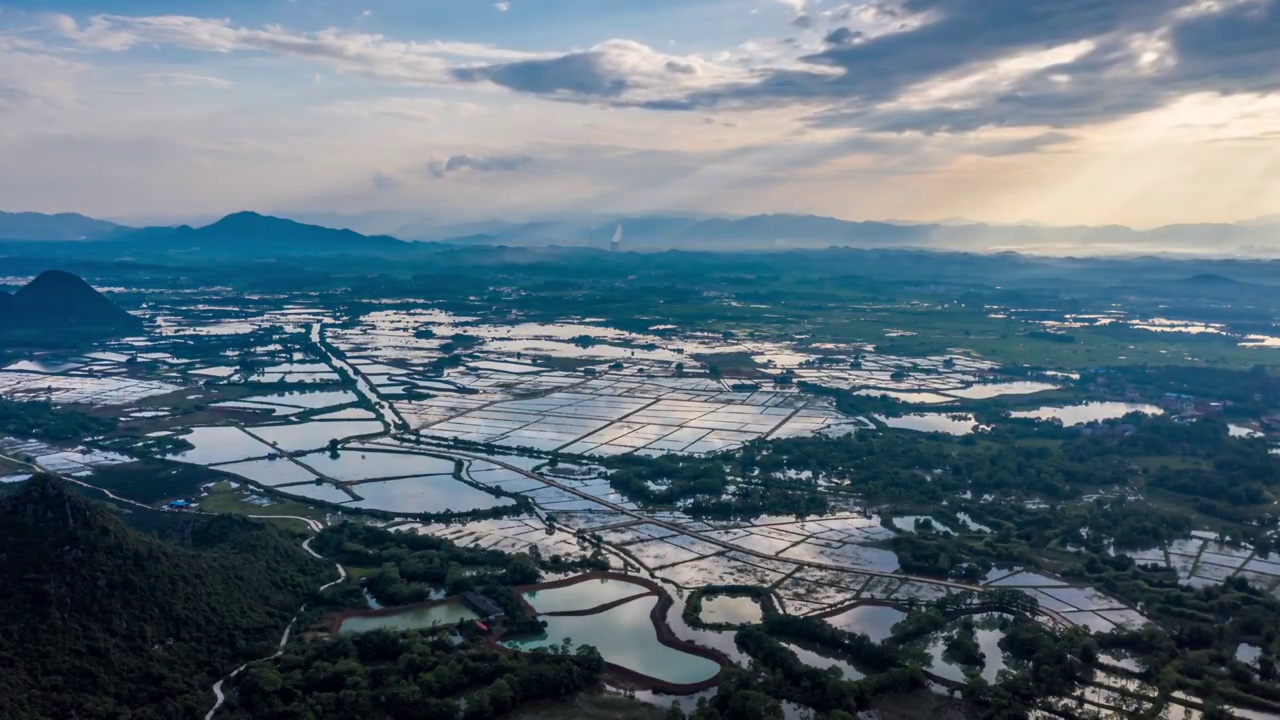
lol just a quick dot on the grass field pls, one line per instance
(223, 498)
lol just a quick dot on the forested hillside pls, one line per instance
(100, 621)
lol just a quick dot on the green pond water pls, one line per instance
(731, 610)
(625, 636)
(583, 595)
(416, 619)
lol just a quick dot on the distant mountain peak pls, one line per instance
(250, 234)
(28, 226)
(1211, 279)
(57, 302)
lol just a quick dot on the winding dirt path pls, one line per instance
(315, 526)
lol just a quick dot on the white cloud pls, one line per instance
(370, 55)
(30, 77)
(502, 6)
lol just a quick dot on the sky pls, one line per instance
(1063, 112)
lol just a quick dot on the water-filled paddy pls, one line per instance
(731, 610)
(313, 435)
(583, 595)
(356, 465)
(220, 444)
(626, 637)
(432, 494)
(270, 473)
(323, 492)
(312, 400)
(415, 619)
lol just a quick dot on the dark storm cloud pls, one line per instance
(1232, 51)
(1235, 48)
(457, 163)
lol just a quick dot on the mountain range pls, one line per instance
(256, 235)
(63, 226)
(58, 303)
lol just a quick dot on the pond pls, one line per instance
(932, 422)
(1248, 654)
(626, 637)
(1240, 431)
(874, 621)
(583, 595)
(271, 473)
(731, 610)
(356, 465)
(1088, 412)
(414, 619)
(907, 523)
(989, 390)
(220, 444)
(431, 494)
(822, 661)
(313, 435)
(987, 632)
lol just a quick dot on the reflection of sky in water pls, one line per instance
(270, 472)
(625, 636)
(813, 658)
(314, 435)
(990, 390)
(220, 444)
(731, 610)
(1088, 412)
(988, 640)
(583, 595)
(932, 423)
(874, 621)
(355, 465)
(424, 495)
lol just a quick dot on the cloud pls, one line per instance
(188, 80)
(887, 65)
(497, 163)
(502, 6)
(32, 78)
(370, 55)
(622, 70)
(1018, 146)
(1130, 56)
